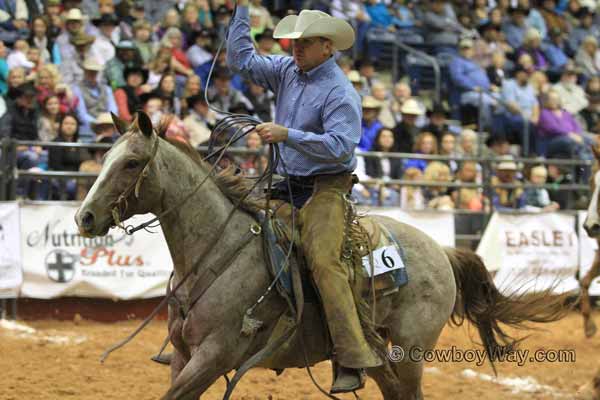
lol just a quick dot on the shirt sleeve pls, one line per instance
(265, 71)
(342, 130)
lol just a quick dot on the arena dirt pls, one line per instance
(34, 367)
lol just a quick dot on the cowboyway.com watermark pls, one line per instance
(479, 356)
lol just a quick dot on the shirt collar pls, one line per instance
(319, 70)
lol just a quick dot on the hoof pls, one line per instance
(164, 359)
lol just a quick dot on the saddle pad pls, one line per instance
(388, 258)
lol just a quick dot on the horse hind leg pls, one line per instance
(588, 323)
(398, 380)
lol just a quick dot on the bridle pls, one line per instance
(120, 205)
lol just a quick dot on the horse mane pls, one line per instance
(234, 186)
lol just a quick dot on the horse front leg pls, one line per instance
(210, 360)
(586, 308)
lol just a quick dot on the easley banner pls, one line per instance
(57, 261)
(531, 252)
(10, 252)
(587, 250)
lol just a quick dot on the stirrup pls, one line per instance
(348, 380)
(164, 359)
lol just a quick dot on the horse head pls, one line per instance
(128, 182)
(592, 221)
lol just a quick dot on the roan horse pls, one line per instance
(444, 283)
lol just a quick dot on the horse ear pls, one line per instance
(121, 125)
(144, 123)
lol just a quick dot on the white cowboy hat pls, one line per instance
(312, 23)
(91, 65)
(74, 14)
(354, 77)
(412, 107)
(371, 102)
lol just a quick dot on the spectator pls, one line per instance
(74, 20)
(166, 90)
(127, 55)
(469, 79)
(193, 86)
(142, 31)
(497, 71)
(108, 35)
(555, 50)
(538, 197)
(104, 127)
(40, 39)
(534, 18)
(180, 63)
(571, 94)
(511, 197)
(370, 124)
(437, 197)
(588, 57)
(468, 198)
(265, 21)
(468, 143)
(448, 148)
(251, 164)
(383, 168)
(18, 56)
(514, 29)
(171, 19)
(586, 28)
(426, 144)
(441, 26)
(532, 46)
(15, 78)
(66, 158)
(71, 68)
(48, 122)
(412, 197)
(48, 83)
(222, 96)
(127, 98)
(552, 18)
(190, 22)
(266, 45)
(21, 119)
(521, 113)
(540, 84)
(390, 114)
(198, 53)
(438, 123)
(558, 128)
(200, 120)
(94, 98)
(381, 17)
(357, 81)
(559, 175)
(159, 65)
(3, 69)
(591, 114)
(489, 43)
(406, 131)
(367, 71)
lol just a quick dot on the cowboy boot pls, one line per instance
(347, 380)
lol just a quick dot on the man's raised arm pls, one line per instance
(266, 71)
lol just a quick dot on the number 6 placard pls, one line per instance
(385, 259)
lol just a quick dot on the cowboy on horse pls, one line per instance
(317, 127)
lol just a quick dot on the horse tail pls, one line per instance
(479, 301)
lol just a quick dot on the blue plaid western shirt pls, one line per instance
(320, 108)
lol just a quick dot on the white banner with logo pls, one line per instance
(57, 261)
(438, 225)
(531, 252)
(10, 250)
(587, 250)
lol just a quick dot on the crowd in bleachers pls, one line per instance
(519, 78)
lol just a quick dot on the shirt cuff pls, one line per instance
(294, 136)
(242, 12)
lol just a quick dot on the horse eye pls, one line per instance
(132, 164)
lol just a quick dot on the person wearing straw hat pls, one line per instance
(317, 127)
(71, 68)
(74, 25)
(94, 98)
(370, 123)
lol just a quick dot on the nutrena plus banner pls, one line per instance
(58, 262)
